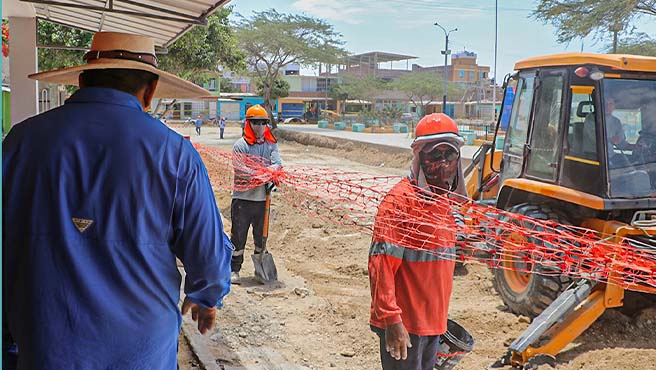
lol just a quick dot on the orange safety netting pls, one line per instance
(491, 236)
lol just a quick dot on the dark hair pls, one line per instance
(126, 80)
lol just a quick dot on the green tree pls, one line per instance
(205, 50)
(581, 18)
(360, 87)
(638, 44)
(52, 34)
(423, 87)
(273, 40)
(280, 88)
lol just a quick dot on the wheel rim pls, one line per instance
(514, 267)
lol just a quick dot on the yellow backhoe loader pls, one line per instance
(579, 149)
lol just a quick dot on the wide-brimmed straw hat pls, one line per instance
(126, 51)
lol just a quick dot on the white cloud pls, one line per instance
(346, 11)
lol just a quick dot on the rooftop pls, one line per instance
(378, 56)
(164, 20)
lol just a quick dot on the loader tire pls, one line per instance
(524, 293)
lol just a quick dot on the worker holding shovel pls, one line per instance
(254, 153)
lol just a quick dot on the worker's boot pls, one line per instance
(234, 277)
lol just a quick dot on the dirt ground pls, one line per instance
(317, 316)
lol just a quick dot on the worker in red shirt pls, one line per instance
(411, 259)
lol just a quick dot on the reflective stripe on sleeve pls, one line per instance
(412, 255)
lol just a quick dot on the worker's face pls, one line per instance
(610, 106)
(258, 126)
(439, 164)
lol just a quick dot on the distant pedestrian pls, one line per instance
(222, 123)
(199, 122)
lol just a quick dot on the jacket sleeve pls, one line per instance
(199, 240)
(276, 161)
(385, 258)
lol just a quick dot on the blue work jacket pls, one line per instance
(99, 199)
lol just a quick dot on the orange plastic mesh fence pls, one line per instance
(490, 236)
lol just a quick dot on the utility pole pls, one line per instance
(446, 53)
(615, 29)
(494, 79)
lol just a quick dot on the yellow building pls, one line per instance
(464, 68)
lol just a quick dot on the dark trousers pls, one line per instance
(421, 356)
(221, 132)
(198, 130)
(245, 213)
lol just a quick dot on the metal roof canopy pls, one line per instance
(163, 20)
(379, 57)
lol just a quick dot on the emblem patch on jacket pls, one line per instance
(81, 223)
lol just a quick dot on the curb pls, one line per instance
(197, 344)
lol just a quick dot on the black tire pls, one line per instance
(539, 291)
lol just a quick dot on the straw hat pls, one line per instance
(127, 51)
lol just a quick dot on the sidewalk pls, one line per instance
(394, 140)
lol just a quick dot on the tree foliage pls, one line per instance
(423, 87)
(280, 88)
(637, 44)
(205, 49)
(273, 40)
(359, 87)
(581, 18)
(49, 33)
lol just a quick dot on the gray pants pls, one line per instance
(421, 356)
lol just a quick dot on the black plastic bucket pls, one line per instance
(456, 343)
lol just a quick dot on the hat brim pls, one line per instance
(168, 86)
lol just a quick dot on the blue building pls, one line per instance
(233, 106)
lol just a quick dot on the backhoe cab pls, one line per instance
(579, 149)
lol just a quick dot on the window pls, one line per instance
(212, 86)
(545, 144)
(186, 110)
(630, 136)
(472, 75)
(483, 75)
(518, 127)
(461, 73)
(581, 130)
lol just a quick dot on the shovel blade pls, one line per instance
(265, 268)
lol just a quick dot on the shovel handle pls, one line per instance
(267, 207)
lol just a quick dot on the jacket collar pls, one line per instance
(105, 96)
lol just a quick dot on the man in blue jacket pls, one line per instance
(99, 199)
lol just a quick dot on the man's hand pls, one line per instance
(397, 341)
(204, 316)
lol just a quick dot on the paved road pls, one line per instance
(395, 140)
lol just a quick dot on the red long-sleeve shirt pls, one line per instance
(411, 261)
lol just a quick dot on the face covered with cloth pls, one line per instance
(436, 163)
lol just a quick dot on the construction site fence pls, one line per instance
(425, 223)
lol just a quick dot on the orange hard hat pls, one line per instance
(257, 112)
(436, 124)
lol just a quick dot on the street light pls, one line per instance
(446, 53)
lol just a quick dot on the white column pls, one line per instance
(22, 62)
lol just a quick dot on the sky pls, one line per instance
(407, 27)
